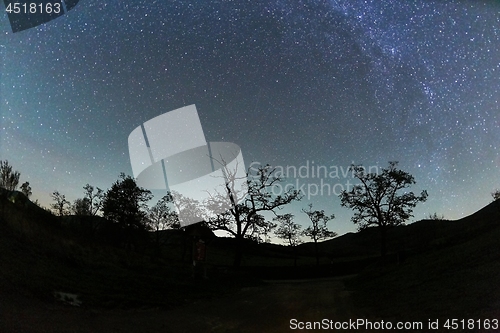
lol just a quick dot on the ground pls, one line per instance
(267, 308)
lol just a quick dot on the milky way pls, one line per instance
(290, 82)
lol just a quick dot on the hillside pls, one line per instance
(40, 255)
(421, 236)
(452, 270)
(434, 269)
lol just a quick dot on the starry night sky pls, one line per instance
(329, 82)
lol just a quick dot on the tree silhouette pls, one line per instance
(191, 210)
(260, 229)
(289, 231)
(94, 197)
(125, 205)
(436, 217)
(60, 205)
(88, 207)
(9, 179)
(161, 217)
(26, 189)
(318, 230)
(377, 201)
(81, 207)
(496, 195)
(242, 209)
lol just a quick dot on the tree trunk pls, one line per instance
(186, 245)
(383, 241)
(294, 252)
(237, 259)
(238, 253)
(157, 244)
(316, 251)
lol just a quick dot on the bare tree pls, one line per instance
(318, 230)
(377, 200)
(60, 205)
(289, 231)
(242, 209)
(187, 208)
(94, 197)
(9, 179)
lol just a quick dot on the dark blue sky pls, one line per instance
(290, 82)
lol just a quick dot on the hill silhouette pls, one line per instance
(451, 269)
(421, 236)
(41, 254)
(432, 265)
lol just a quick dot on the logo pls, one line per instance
(170, 152)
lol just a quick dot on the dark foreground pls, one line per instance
(266, 308)
(276, 306)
